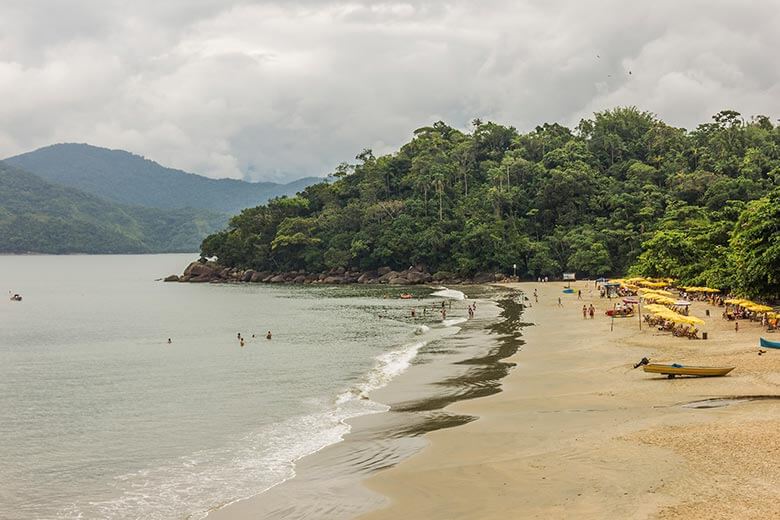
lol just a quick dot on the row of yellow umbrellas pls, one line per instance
(748, 304)
(702, 289)
(668, 314)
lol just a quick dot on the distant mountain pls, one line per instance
(41, 217)
(131, 179)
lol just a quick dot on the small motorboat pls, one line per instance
(675, 369)
(406, 296)
(16, 298)
(769, 344)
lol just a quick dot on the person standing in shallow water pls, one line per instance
(268, 335)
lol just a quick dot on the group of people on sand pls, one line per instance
(588, 311)
(677, 329)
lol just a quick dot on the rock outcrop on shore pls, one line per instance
(212, 272)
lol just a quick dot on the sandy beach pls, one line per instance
(576, 433)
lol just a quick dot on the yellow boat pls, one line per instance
(681, 370)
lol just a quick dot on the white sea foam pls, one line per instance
(451, 322)
(422, 329)
(189, 487)
(449, 293)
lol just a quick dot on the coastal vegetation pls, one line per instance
(623, 192)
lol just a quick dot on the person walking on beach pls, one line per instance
(592, 311)
(736, 326)
(584, 312)
(579, 294)
(559, 302)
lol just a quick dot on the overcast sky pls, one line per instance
(280, 90)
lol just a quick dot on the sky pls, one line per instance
(277, 90)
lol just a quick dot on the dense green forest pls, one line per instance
(621, 193)
(130, 179)
(37, 216)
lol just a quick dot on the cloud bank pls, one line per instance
(280, 90)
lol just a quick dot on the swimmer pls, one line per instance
(268, 335)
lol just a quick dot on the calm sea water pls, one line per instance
(101, 418)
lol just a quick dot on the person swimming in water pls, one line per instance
(268, 335)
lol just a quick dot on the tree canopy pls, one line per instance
(622, 192)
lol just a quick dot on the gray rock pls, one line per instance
(247, 276)
(299, 279)
(279, 278)
(171, 278)
(418, 277)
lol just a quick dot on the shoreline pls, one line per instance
(463, 366)
(576, 433)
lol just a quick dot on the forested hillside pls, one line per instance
(622, 192)
(130, 179)
(37, 216)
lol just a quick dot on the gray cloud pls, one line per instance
(278, 90)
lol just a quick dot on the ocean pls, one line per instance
(100, 417)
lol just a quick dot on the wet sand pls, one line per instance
(463, 366)
(576, 433)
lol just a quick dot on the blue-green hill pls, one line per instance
(127, 178)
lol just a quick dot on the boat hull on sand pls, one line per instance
(769, 344)
(680, 370)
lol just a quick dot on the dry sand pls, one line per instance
(577, 434)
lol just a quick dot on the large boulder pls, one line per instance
(171, 278)
(385, 278)
(333, 279)
(299, 279)
(418, 277)
(442, 275)
(483, 278)
(383, 270)
(365, 278)
(257, 277)
(399, 279)
(197, 269)
(279, 278)
(247, 276)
